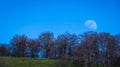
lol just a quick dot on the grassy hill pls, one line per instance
(32, 62)
(28, 62)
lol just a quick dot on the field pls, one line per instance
(28, 62)
(32, 62)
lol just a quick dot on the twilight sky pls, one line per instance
(32, 17)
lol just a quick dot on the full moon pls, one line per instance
(90, 24)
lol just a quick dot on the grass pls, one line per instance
(28, 62)
(32, 62)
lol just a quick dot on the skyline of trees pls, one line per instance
(88, 48)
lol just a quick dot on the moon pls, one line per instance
(91, 25)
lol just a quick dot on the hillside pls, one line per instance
(28, 62)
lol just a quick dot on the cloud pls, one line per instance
(90, 24)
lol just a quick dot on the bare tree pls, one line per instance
(33, 47)
(66, 44)
(19, 43)
(118, 40)
(87, 52)
(108, 46)
(72, 41)
(52, 48)
(47, 42)
(61, 45)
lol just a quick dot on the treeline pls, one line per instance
(90, 48)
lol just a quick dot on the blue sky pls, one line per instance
(32, 17)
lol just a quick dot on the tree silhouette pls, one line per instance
(108, 45)
(88, 49)
(19, 44)
(33, 47)
(46, 40)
